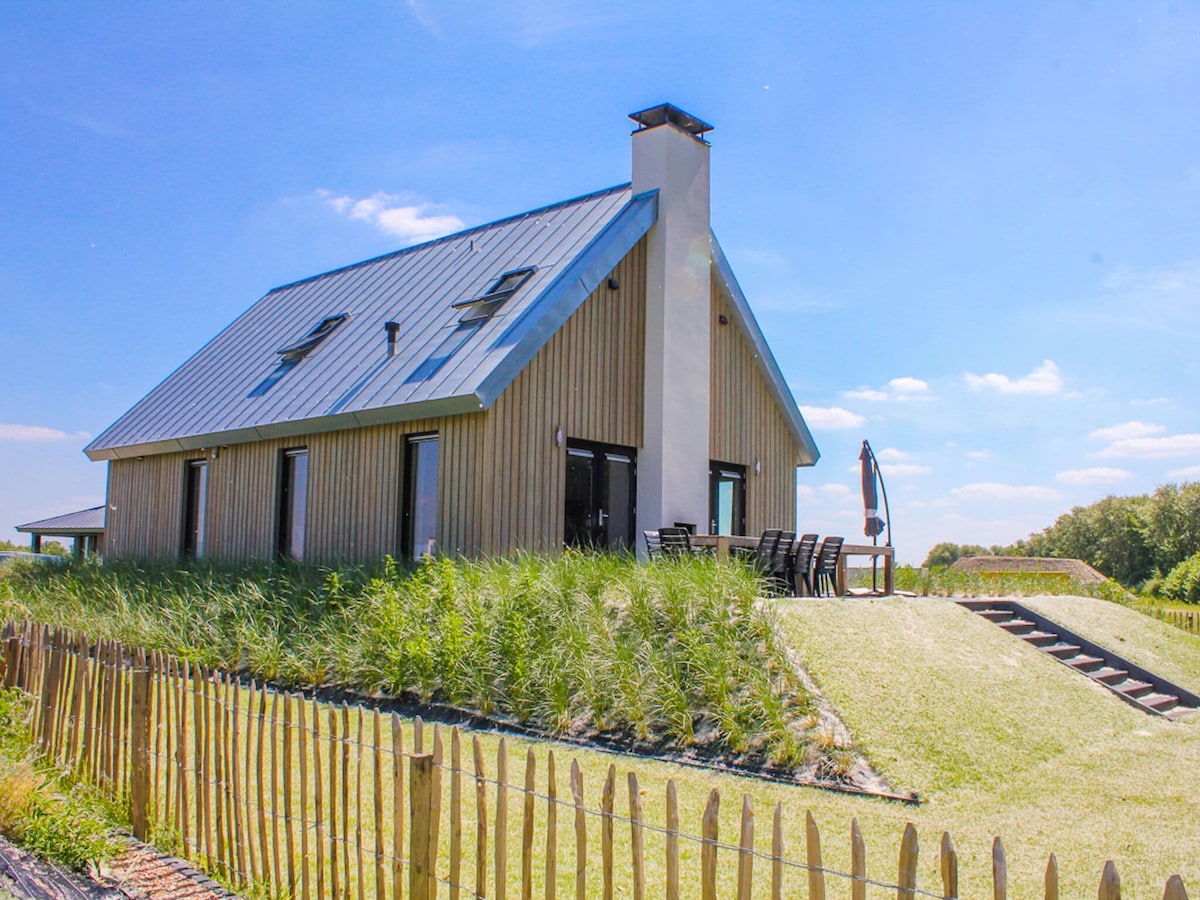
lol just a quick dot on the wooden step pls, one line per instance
(996, 615)
(1131, 687)
(1084, 663)
(1016, 626)
(1041, 639)
(1161, 702)
(1064, 651)
(1109, 675)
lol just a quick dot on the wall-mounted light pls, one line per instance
(723, 319)
(558, 436)
(613, 284)
(757, 466)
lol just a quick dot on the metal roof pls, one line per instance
(236, 388)
(82, 521)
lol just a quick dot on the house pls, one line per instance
(570, 375)
(85, 527)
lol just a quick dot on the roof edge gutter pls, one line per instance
(430, 409)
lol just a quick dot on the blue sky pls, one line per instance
(970, 231)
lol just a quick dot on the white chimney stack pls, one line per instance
(670, 155)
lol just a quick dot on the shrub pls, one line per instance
(1182, 583)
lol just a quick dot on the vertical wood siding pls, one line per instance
(747, 425)
(500, 472)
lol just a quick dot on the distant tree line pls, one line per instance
(1150, 541)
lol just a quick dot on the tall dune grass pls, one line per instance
(678, 651)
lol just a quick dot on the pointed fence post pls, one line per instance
(949, 868)
(906, 878)
(858, 863)
(139, 794)
(421, 885)
(1110, 882)
(999, 871)
(1175, 889)
(812, 849)
(1052, 878)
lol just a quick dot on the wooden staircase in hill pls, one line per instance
(1130, 682)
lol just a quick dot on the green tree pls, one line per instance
(1110, 535)
(946, 554)
(1173, 524)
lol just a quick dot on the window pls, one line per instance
(293, 503)
(446, 348)
(599, 496)
(419, 522)
(726, 498)
(297, 351)
(486, 304)
(195, 500)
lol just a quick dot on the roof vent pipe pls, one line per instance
(392, 329)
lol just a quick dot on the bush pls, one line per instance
(67, 824)
(1182, 583)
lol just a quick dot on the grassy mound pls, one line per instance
(676, 652)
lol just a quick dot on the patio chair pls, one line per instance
(674, 541)
(802, 563)
(653, 544)
(825, 566)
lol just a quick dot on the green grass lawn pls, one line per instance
(1002, 740)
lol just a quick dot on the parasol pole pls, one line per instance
(887, 513)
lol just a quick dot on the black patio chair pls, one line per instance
(802, 563)
(653, 544)
(825, 566)
(674, 541)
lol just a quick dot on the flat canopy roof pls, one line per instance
(72, 524)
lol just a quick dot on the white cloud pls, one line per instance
(1189, 472)
(831, 417)
(978, 454)
(866, 394)
(411, 222)
(903, 388)
(1097, 475)
(1042, 380)
(1126, 430)
(891, 454)
(38, 433)
(907, 385)
(990, 490)
(1153, 447)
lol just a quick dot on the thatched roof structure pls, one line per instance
(1028, 565)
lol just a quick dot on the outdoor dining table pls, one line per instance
(723, 543)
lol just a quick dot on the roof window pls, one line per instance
(485, 305)
(301, 348)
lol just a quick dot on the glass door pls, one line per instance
(599, 498)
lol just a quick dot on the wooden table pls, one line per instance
(722, 543)
(889, 565)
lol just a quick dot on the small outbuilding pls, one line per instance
(85, 527)
(1066, 569)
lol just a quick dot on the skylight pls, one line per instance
(486, 304)
(301, 348)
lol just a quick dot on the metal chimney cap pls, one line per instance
(664, 113)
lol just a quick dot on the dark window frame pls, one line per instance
(286, 505)
(485, 305)
(718, 474)
(602, 453)
(297, 350)
(408, 492)
(195, 508)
